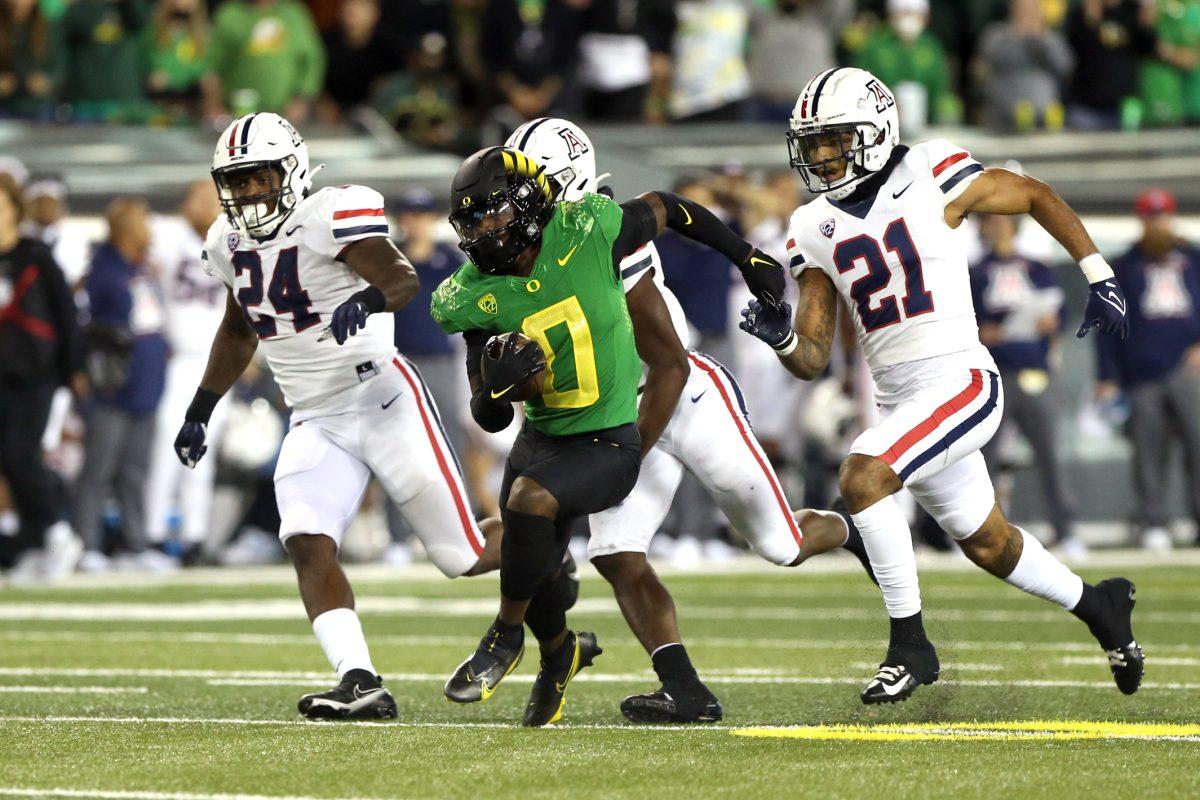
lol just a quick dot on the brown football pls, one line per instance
(532, 386)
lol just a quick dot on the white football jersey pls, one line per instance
(902, 271)
(646, 261)
(290, 284)
(195, 298)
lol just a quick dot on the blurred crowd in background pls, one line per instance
(104, 338)
(443, 72)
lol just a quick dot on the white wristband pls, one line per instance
(1095, 268)
(788, 345)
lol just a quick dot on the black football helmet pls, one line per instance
(500, 200)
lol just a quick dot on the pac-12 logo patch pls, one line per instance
(487, 304)
(232, 240)
(575, 146)
(827, 228)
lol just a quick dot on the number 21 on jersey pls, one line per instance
(877, 303)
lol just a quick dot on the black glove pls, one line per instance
(189, 444)
(765, 278)
(772, 324)
(1105, 310)
(351, 316)
(509, 367)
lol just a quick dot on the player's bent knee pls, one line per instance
(865, 480)
(529, 497)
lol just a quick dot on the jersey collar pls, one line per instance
(858, 203)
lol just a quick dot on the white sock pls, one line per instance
(341, 637)
(1044, 576)
(885, 534)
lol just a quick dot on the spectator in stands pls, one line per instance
(418, 337)
(1110, 39)
(711, 80)
(1171, 80)
(46, 211)
(1023, 65)
(359, 55)
(194, 303)
(625, 56)
(1158, 367)
(265, 55)
(30, 59)
(1019, 304)
(793, 41)
(422, 102)
(531, 51)
(175, 52)
(103, 51)
(126, 305)
(910, 60)
(39, 352)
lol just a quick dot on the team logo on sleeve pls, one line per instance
(828, 227)
(232, 239)
(487, 304)
(575, 146)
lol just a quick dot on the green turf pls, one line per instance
(781, 648)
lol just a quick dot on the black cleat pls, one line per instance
(661, 707)
(1125, 656)
(570, 571)
(494, 660)
(360, 695)
(549, 694)
(901, 675)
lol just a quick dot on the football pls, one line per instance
(531, 387)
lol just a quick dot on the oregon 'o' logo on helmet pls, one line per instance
(487, 304)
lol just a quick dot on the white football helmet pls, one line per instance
(849, 109)
(251, 143)
(565, 152)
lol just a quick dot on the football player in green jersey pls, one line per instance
(550, 271)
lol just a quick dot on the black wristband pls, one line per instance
(202, 406)
(371, 297)
(699, 224)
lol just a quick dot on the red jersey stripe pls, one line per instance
(939, 415)
(949, 161)
(358, 212)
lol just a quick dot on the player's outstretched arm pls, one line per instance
(666, 361)
(393, 282)
(1000, 191)
(649, 214)
(803, 347)
(232, 349)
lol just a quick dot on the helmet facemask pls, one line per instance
(495, 234)
(815, 152)
(258, 214)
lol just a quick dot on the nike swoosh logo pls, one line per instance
(902, 191)
(359, 694)
(562, 262)
(1114, 300)
(502, 392)
(384, 406)
(485, 692)
(293, 230)
(754, 260)
(696, 399)
(562, 687)
(686, 214)
(894, 689)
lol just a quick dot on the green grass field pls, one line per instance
(184, 688)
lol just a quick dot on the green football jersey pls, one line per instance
(573, 305)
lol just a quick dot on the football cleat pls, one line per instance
(360, 695)
(494, 660)
(896, 681)
(1127, 661)
(549, 694)
(660, 706)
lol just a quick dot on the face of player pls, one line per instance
(826, 152)
(252, 184)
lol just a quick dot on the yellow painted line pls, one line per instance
(965, 731)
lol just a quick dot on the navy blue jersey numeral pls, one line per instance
(865, 290)
(285, 292)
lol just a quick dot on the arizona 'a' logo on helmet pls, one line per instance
(576, 146)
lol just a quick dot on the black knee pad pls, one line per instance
(528, 553)
(547, 614)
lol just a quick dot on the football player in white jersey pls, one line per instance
(709, 434)
(308, 275)
(885, 234)
(195, 304)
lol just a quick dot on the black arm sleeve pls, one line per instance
(489, 414)
(699, 224)
(638, 226)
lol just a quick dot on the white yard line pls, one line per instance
(107, 794)
(73, 689)
(381, 725)
(235, 610)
